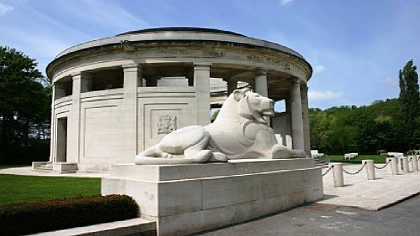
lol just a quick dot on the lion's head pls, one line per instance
(253, 106)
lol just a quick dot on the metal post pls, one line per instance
(338, 175)
(370, 169)
(404, 161)
(393, 166)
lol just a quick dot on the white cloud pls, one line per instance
(319, 69)
(111, 15)
(323, 95)
(4, 8)
(286, 2)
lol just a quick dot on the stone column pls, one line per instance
(132, 75)
(288, 136)
(58, 91)
(232, 84)
(296, 113)
(305, 117)
(52, 124)
(73, 134)
(86, 83)
(261, 83)
(202, 93)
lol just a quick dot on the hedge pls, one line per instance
(28, 218)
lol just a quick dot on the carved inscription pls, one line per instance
(212, 53)
(269, 60)
(166, 124)
(255, 58)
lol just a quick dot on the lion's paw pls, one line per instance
(218, 156)
(298, 153)
(282, 152)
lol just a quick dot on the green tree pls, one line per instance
(410, 104)
(24, 107)
(365, 129)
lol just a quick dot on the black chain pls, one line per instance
(354, 173)
(328, 170)
(415, 158)
(382, 167)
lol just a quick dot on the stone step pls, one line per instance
(45, 168)
(48, 167)
(136, 226)
(62, 168)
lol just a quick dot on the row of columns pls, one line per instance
(132, 79)
(298, 108)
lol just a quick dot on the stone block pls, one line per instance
(227, 191)
(185, 199)
(145, 193)
(179, 197)
(64, 167)
(113, 186)
(36, 164)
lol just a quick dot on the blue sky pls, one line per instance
(356, 47)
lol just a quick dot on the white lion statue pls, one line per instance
(240, 131)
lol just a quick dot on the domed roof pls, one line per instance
(181, 34)
(181, 29)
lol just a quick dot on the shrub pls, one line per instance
(28, 218)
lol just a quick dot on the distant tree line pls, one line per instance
(25, 98)
(390, 125)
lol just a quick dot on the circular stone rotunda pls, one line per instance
(116, 96)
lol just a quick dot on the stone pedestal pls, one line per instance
(185, 199)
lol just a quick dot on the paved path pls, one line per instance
(361, 207)
(29, 171)
(324, 219)
(376, 194)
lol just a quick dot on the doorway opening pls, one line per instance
(62, 139)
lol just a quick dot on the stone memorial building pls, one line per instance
(116, 96)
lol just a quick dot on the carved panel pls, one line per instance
(161, 116)
(166, 124)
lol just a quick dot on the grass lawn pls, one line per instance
(18, 188)
(378, 159)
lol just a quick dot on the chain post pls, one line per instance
(417, 158)
(370, 169)
(393, 170)
(414, 163)
(410, 164)
(338, 174)
(404, 161)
